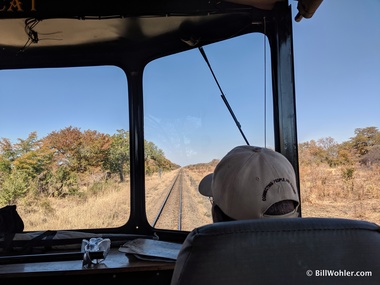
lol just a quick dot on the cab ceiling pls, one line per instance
(78, 22)
(37, 32)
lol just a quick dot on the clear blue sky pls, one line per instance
(337, 72)
(337, 66)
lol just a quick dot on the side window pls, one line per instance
(64, 151)
(189, 127)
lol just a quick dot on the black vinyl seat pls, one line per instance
(281, 251)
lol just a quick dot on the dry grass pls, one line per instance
(107, 207)
(324, 193)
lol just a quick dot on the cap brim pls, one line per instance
(205, 185)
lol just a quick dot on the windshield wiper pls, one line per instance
(222, 95)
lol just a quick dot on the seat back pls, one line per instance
(281, 251)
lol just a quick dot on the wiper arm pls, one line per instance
(223, 97)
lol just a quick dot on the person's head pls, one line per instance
(251, 183)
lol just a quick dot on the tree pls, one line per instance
(65, 145)
(32, 157)
(14, 186)
(311, 153)
(62, 181)
(34, 162)
(118, 154)
(346, 154)
(364, 139)
(5, 165)
(7, 155)
(29, 144)
(93, 149)
(79, 151)
(329, 151)
(155, 159)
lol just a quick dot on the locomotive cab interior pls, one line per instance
(124, 40)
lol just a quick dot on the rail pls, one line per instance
(172, 202)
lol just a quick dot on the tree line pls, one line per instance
(63, 161)
(363, 148)
(66, 160)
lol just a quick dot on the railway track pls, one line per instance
(169, 215)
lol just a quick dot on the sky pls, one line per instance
(337, 72)
(337, 69)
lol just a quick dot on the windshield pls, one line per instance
(188, 120)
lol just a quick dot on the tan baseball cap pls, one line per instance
(249, 180)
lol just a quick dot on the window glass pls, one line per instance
(189, 126)
(64, 157)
